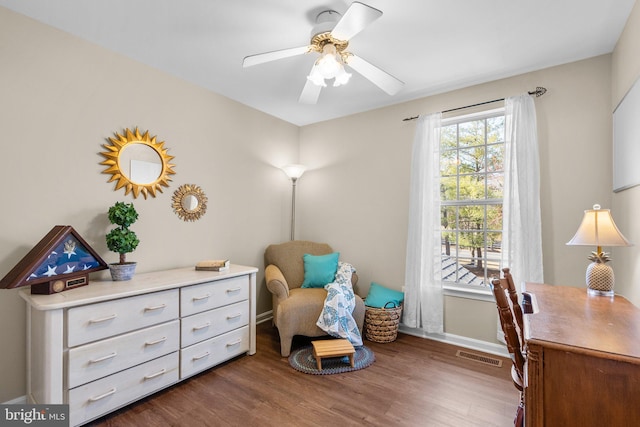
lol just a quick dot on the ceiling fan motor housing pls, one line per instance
(321, 32)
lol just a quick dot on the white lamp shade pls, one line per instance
(598, 229)
(294, 171)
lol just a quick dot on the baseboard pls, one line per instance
(457, 340)
(22, 400)
(263, 317)
(460, 341)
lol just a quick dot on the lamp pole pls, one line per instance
(293, 172)
(293, 207)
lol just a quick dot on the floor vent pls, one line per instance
(479, 358)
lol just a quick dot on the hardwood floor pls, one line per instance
(413, 382)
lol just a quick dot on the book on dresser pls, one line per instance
(213, 265)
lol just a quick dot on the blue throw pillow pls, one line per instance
(319, 269)
(379, 296)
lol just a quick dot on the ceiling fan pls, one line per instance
(330, 38)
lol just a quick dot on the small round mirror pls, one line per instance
(189, 202)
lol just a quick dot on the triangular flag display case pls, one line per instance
(62, 260)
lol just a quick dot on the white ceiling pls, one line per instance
(433, 46)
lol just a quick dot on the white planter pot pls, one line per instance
(121, 272)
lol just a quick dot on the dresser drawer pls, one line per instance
(198, 298)
(102, 396)
(96, 321)
(211, 352)
(206, 325)
(96, 360)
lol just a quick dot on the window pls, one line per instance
(471, 184)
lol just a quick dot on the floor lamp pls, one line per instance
(293, 172)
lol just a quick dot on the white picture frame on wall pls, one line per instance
(626, 141)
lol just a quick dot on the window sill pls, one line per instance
(463, 292)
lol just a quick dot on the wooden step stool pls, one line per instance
(332, 348)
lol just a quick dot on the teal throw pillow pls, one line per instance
(379, 296)
(319, 269)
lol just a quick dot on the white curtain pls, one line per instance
(423, 306)
(522, 235)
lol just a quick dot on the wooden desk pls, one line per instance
(583, 359)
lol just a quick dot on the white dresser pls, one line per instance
(103, 346)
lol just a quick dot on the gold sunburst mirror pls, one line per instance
(189, 202)
(138, 163)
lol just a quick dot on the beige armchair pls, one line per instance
(295, 309)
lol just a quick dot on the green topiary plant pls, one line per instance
(122, 240)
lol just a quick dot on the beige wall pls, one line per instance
(355, 195)
(626, 204)
(61, 99)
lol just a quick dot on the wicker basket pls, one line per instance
(381, 324)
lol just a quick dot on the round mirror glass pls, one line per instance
(190, 202)
(140, 163)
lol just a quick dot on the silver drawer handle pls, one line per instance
(157, 374)
(103, 358)
(102, 396)
(236, 342)
(234, 290)
(202, 297)
(156, 307)
(202, 356)
(206, 325)
(234, 316)
(103, 319)
(163, 339)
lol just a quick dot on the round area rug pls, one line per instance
(302, 360)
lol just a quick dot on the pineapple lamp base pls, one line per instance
(600, 278)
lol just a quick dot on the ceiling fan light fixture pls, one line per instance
(316, 78)
(342, 78)
(329, 66)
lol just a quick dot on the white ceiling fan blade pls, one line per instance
(380, 78)
(261, 58)
(354, 20)
(310, 92)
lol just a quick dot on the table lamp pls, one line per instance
(598, 229)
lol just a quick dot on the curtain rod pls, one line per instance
(538, 92)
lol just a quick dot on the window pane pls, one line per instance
(494, 217)
(448, 137)
(494, 244)
(471, 133)
(448, 188)
(495, 185)
(495, 129)
(448, 218)
(495, 158)
(449, 162)
(471, 218)
(472, 187)
(472, 160)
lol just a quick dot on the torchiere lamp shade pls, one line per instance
(60, 261)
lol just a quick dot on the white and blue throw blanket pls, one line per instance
(336, 318)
